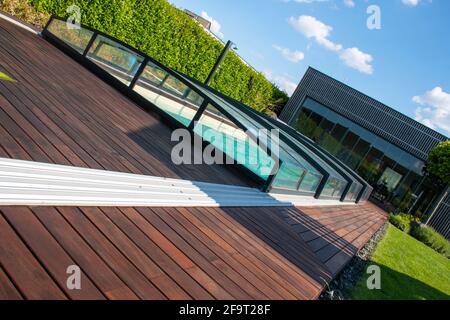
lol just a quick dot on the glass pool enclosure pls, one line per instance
(284, 162)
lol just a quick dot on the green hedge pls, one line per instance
(431, 238)
(171, 37)
(402, 221)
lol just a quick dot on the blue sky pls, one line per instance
(404, 64)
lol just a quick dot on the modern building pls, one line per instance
(385, 147)
(205, 23)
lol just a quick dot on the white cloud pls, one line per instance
(435, 110)
(356, 59)
(349, 3)
(411, 3)
(215, 25)
(310, 27)
(284, 83)
(293, 56)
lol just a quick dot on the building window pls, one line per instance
(390, 179)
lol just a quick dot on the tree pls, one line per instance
(438, 163)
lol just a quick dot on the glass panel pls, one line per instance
(114, 58)
(347, 145)
(154, 74)
(339, 188)
(314, 122)
(334, 188)
(353, 192)
(336, 135)
(390, 179)
(227, 137)
(307, 123)
(426, 195)
(370, 167)
(288, 176)
(310, 182)
(175, 86)
(406, 191)
(304, 125)
(323, 131)
(76, 38)
(390, 150)
(360, 150)
(169, 94)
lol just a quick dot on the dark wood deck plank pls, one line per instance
(20, 264)
(7, 289)
(249, 248)
(202, 258)
(177, 255)
(86, 258)
(289, 244)
(136, 256)
(129, 274)
(271, 259)
(228, 250)
(341, 258)
(51, 255)
(211, 248)
(199, 252)
(170, 266)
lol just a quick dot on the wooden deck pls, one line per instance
(178, 253)
(58, 112)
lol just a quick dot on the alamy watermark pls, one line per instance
(74, 19)
(74, 279)
(257, 149)
(374, 19)
(374, 280)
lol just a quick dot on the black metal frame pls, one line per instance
(197, 87)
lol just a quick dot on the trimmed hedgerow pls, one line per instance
(402, 221)
(431, 238)
(171, 37)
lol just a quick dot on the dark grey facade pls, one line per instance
(371, 114)
(439, 218)
(385, 147)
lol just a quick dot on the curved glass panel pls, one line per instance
(168, 93)
(227, 137)
(288, 176)
(78, 39)
(310, 182)
(116, 59)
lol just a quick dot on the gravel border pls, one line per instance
(347, 279)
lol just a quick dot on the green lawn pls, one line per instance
(409, 270)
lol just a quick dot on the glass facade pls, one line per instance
(395, 174)
(116, 59)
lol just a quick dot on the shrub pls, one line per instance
(438, 163)
(402, 221)
(431, 238)
(24, 11)
(167, 34)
